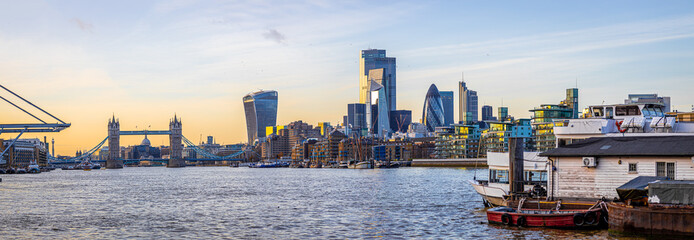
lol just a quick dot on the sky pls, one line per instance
(146, 61)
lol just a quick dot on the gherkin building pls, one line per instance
(432, 114)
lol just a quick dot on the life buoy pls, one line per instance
(619, 126)
(578, 219)
(506, 219)
(591, 218)
(521, 222)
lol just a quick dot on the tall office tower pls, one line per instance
(261, 112)
(432, 113)
(487, 113)
(448, 114)
(572, 100)
(503, 113)
(400, 120)
(373, 59)
(467, 104)
(378, 115)
(356, 119)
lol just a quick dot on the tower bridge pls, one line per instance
(176, 143)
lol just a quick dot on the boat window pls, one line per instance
(608, 112)
(498, 176)
(627, 111)
(597, 112)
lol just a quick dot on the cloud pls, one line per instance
(274, 35)
(85, 26)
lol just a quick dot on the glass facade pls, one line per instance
(400, 120)
(356, 118)
(457, 141)
(467, 104)
(447, 98)
(543, 125)
(432, 113)
(374, 59)
(261, 112)
(487, 113)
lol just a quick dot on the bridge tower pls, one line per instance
(175, 143)
(114, 160)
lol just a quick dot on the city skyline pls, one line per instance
(145, 62)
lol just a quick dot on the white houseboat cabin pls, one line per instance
(593, 168)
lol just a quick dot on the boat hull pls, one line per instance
(644, 220)
(546, 218)
(492, 196)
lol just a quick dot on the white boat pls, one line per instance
(33, 168)
(361, 165)
(617, 120)
(495, 189)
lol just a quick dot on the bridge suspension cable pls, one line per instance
(53, 159)
(207, 154)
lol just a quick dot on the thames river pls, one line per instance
(244, 203)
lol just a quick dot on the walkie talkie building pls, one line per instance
(261, 112)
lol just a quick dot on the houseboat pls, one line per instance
(495, 189)
(620, 120)
(593, 168)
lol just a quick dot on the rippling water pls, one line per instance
(223, 202)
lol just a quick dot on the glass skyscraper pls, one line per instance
(400, 120)
(356, 118)
(467, 104)
(261, 112)
(432, 114)
(447, 98)
(487, 113)
(374, 59)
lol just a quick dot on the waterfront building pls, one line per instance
(302, 150)
(392, 151)
(355, 149)
(503, 114)
(356, 119)
(277, 145)
(375, 59)
(593, 168)
(467, 104)
(649, 98)
(487, 113)
(543, 124)
(261, 111)
(299, 131)
(23, 153)
(448, 111)
(400, 120)
(495, 138)
(432, 113)
(458, 141)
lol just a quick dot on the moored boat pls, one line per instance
(561, 216)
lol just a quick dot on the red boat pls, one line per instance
(574, 217)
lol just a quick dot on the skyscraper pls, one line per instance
(448, 114)
(261, 111)
(432, 113)
(503, 113)
(487, 113)
(400, 120)
(572, 100)
(356, 118)
(467, 104)
(373, 59)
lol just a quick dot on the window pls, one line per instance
(627, 111)
(533, 177)
(665, 169)
(498, 176)
(632, 168)
(597, 112)
(608, 112)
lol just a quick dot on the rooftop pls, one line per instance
(627, 146)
